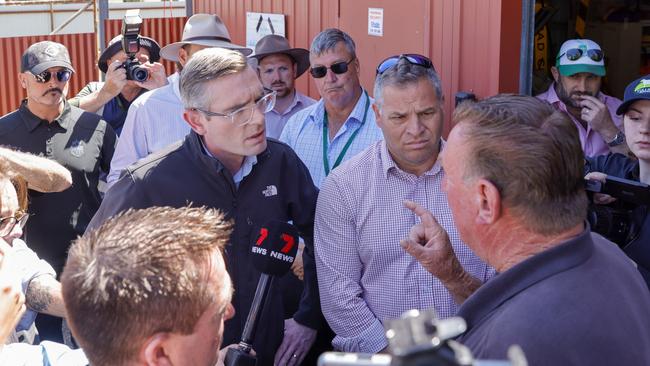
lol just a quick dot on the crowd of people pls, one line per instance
(144, 197)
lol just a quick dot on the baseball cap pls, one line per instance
(43, 55)
(580, 55)
(639, 89)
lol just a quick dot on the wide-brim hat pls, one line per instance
(115, 45)
(639, 89)
(205, 30)
(274, 44)
(567, 67)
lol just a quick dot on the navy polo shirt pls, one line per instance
(579, 303)
(81, 142)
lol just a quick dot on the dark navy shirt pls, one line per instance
(579, 303)
(81, 142)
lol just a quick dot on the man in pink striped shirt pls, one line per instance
(578, 72)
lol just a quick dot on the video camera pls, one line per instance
(419, 338)
(131, 45)
(617, 222)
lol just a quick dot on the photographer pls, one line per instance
(636, 120)
(112, 98)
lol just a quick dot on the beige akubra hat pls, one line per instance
(205, 30)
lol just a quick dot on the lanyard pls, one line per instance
(326, 161)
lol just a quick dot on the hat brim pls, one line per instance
(46, 65)
(300, 55)
(568, 70)
(170, 52)
(626, 105)
(110, 51)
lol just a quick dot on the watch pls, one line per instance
(618, 139)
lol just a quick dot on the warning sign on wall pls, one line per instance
(259, 25)
(376, 22)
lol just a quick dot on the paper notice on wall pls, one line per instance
(259, 25)
(376, 22)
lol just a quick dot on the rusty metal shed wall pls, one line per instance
(474, 44)
(82, 53)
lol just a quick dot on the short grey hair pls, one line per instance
(402, 74)
(328, 39)
(204, 66)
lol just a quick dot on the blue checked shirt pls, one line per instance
(304, 133)
(364, 275)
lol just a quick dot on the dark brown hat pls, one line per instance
(274, 44)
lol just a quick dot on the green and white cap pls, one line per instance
(569, 61)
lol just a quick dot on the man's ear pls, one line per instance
(489, 202)
(193, 118)
(23, 82)
(377, 111)
(295, 70)
(556, 74)
(155, 350)
(183, 56)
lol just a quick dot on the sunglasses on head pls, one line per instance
(575, 54)
(337, 68)
(412, 58)
(45, 76)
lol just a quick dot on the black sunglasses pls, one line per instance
(337, 68)
(61, 75)
(575, 54)
(412, 58)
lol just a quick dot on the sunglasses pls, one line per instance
(337, 68)
(61, 75)
(412, 58)
(575, 54)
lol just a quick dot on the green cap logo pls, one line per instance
(643, 84)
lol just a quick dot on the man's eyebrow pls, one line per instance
(244, 104)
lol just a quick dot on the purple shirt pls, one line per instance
(364, 275)
(275, 121)
(591, 141)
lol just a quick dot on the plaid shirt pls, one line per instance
(364, 275)
(304, 133)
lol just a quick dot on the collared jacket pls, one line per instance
(279, 187)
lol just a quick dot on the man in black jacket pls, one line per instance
(227, 163)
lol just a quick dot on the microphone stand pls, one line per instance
(241, 355)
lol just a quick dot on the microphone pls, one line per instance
(273, 253)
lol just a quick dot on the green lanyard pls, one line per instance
(326, 160)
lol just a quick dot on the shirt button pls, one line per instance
(48, 151)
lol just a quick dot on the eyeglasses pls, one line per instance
(243, 115)
(7, 224)
(575, 54)
(337, 68)
(61, 75)
(412, 58)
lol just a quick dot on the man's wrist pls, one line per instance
(617, 139)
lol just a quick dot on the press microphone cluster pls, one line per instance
(273, 253)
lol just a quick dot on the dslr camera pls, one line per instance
(131, 45)
(617, 221)
(419, 338)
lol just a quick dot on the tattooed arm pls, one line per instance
(43, 295)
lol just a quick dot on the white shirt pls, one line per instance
(154, 121)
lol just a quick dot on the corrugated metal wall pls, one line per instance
(80, 46)
(82, 54)
(474, 44)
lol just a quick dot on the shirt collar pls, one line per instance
(244, 170)
(32, 121)
(508, 284)
(389, 164)
(356, 114)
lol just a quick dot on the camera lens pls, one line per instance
(139, 74)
